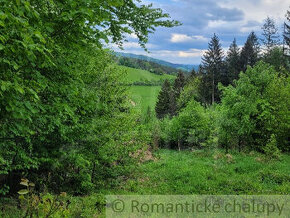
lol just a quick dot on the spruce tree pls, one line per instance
(178, 85)
(250, 52)
(232, 61)
(192, 74)
(205, 86)
(287, 33)
(163, 105)
(212, 62)
(270, 34)
(148, 115)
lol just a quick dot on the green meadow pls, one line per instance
(138, 75)
(210, 172)
(144, 96)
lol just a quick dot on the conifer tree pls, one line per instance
(148, 115)
(250, 52)
(178, 85)
(163, 105)
(212, 63)
(270, 34)
(192, 74)
(232, 61)
(286, 34)
(205, 85)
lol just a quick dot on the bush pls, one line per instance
(190, 128)
(254, 109)
(271, 149)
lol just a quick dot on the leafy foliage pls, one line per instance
(190, 128)
(191, 91)
(65, 115)
(44, 205)
(250, 113)
(277, 59)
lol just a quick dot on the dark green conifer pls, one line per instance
(163, 105)
(213, 66)
(250, 52)
(270, 34)
(286, 35)
(232, 61)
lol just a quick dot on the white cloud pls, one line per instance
(132, 36)
(191, 53)
(131, 45)
(259, 10)
(216, 23)
(179, 38)
(250, 29)
(200, 38)
(175, 38)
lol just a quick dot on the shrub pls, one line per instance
(190, 128)
(255, 108)
(271, 149)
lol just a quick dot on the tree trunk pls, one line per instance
(212, 95)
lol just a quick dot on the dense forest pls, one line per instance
(69, 129)
(146, 65)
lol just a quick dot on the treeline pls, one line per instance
(218, 68)
(240, 101)
(66, 122)
(150, 82)
(146, 65)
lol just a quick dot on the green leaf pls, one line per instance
(25, 183)
(23, 192)
(31, 184)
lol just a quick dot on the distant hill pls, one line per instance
(185, 67)
(150, 66)
(143, 77)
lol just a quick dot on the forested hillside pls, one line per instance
(183, 67)
(143, 77)
(146, 65)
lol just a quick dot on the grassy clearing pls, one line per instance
(203, 172)
(138, 75)
(144, 96)
(185, 172)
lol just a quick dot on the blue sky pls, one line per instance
(201, 19)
